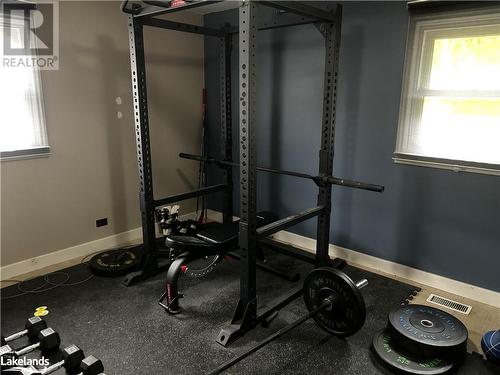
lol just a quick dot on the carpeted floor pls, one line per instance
(127, 329)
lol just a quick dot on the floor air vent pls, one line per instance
(449, 304)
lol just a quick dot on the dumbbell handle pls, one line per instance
(325, 305)
(52, 368)
(27, 349)
(35, 346)
(16, 335)
(34, 371)
(31, 329)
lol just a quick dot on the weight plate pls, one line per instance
(203, 266)
(428, 332)
(395, 359)
(347, 314)
(113, 263)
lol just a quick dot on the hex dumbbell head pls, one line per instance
(91, 366)
(49, 340)
(34, 326)
(73, 356)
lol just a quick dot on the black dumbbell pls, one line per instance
(91, 366)
(32, 328)
(73, 360)
(88, 366)
(48, 340)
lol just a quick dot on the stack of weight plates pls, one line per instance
(421, 340)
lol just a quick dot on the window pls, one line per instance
(450, 105)
(22, 124)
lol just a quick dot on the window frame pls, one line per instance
(417, 68)
(41, 134)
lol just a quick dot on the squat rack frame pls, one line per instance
(328, 23)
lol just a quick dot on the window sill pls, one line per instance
(32, 153)
(451, 165)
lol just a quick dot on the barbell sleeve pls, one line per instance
(354, 184)
(361, 283)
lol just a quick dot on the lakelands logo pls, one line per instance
(23, 362)
(30, 34)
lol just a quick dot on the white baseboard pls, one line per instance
(12, 271)
(377, 265)
(382, 266)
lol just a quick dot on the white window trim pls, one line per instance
(447, 164)
(409, 85)
(42, 133)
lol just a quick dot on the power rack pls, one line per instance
(291, 13)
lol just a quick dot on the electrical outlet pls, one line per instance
(101, 222)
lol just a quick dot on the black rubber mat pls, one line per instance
(125, 327)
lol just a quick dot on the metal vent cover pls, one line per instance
(449, 304)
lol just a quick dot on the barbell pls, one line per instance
(334, 302)
(319, 180)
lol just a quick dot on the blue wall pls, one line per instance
(438, 221)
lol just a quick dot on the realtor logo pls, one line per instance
(30, 34)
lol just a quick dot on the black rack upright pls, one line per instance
(152, 263)
(246, 315)
(329, 24)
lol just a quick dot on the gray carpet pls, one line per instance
(127, 329)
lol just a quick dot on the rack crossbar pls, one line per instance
(288, 250)
(301, 9)
(297, 12)
(290, 21)
(190, 194)
(289, 221)
(183, 27)
(281, 21)
(156, 10)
